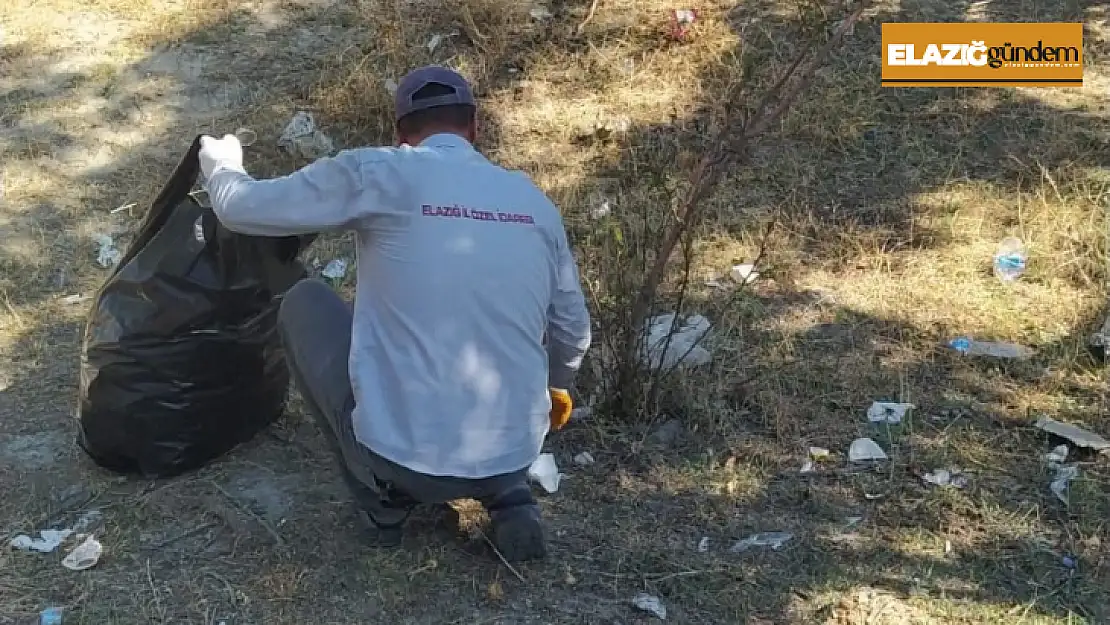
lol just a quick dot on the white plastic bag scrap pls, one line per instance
(106, 254)
(584, 459)
(1064, 476)
(335, 269)
(774, 540)
(946, 477)
(651, 604)
(865, 449)
(302, 138)
(744, 274)
(1057, 456)
(888, 412)
(683, 347)
(47, 542)
(84, 556)
(545, 472)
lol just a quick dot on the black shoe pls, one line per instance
(518, 533)
(382, 535)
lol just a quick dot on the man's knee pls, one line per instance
(301, 300)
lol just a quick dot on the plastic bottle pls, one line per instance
(971, 347)
(50, 616)
(1009, 260)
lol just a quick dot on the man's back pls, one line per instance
(456, 275)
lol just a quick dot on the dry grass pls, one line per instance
(888, 204)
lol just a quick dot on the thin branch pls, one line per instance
(589, 16)
(269, 529)
(501, 557)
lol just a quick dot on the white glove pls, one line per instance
(224, 153)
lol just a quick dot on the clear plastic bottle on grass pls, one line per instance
(972, 347)
(1009, 260)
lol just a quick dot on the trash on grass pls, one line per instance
(971, 347)
(599, 212)
(864, 449)
(1064, 476)
(51, 616)
(1058, 455)
(584, 459)
(1075, 434)
(84, 556)
(703, 545)
(681, 20)
(651, 604)
(946, 477)
(1009, 260)
(774, 540)
(390, 86)
(683, 347)
(438, 39)
(580, 413)
(106, 254)
(816, 454)
(744, 274)
(540, 13)
(888, 412)
(47, 542)
(302, 138)
(335, 269)
(246, 137)
(545, 472)
(74, 299)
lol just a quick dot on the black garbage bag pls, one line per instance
(181, 359)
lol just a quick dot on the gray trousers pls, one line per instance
(315, 325)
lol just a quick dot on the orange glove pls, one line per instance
(561, 407)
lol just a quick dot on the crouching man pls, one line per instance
(440, 383)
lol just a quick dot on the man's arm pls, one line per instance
(568, 320)
(329, 194)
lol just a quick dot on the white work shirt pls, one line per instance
(463, 266)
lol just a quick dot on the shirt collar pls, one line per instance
(445, 140)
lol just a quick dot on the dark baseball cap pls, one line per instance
(421, 77)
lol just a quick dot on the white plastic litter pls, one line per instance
(774, 540)
(47, 542)
(84, 556)
(651, 604)
(302, 138)
(545, 472)
(1064, 475)
(703, 545)
(335, 269)
(390, 86)
(1075, 434)
(106, 254)
(946, 477)
(1057, 456)
(888, 412)
(683, 347)
(815, 454)
(744, 274)
(584, 459)
(601, 211)
(990, 349)
(580, 413)
(540, 13)
(864, 449)
(438, 39)
(74, 299)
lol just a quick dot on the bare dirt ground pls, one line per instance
(889, 205)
